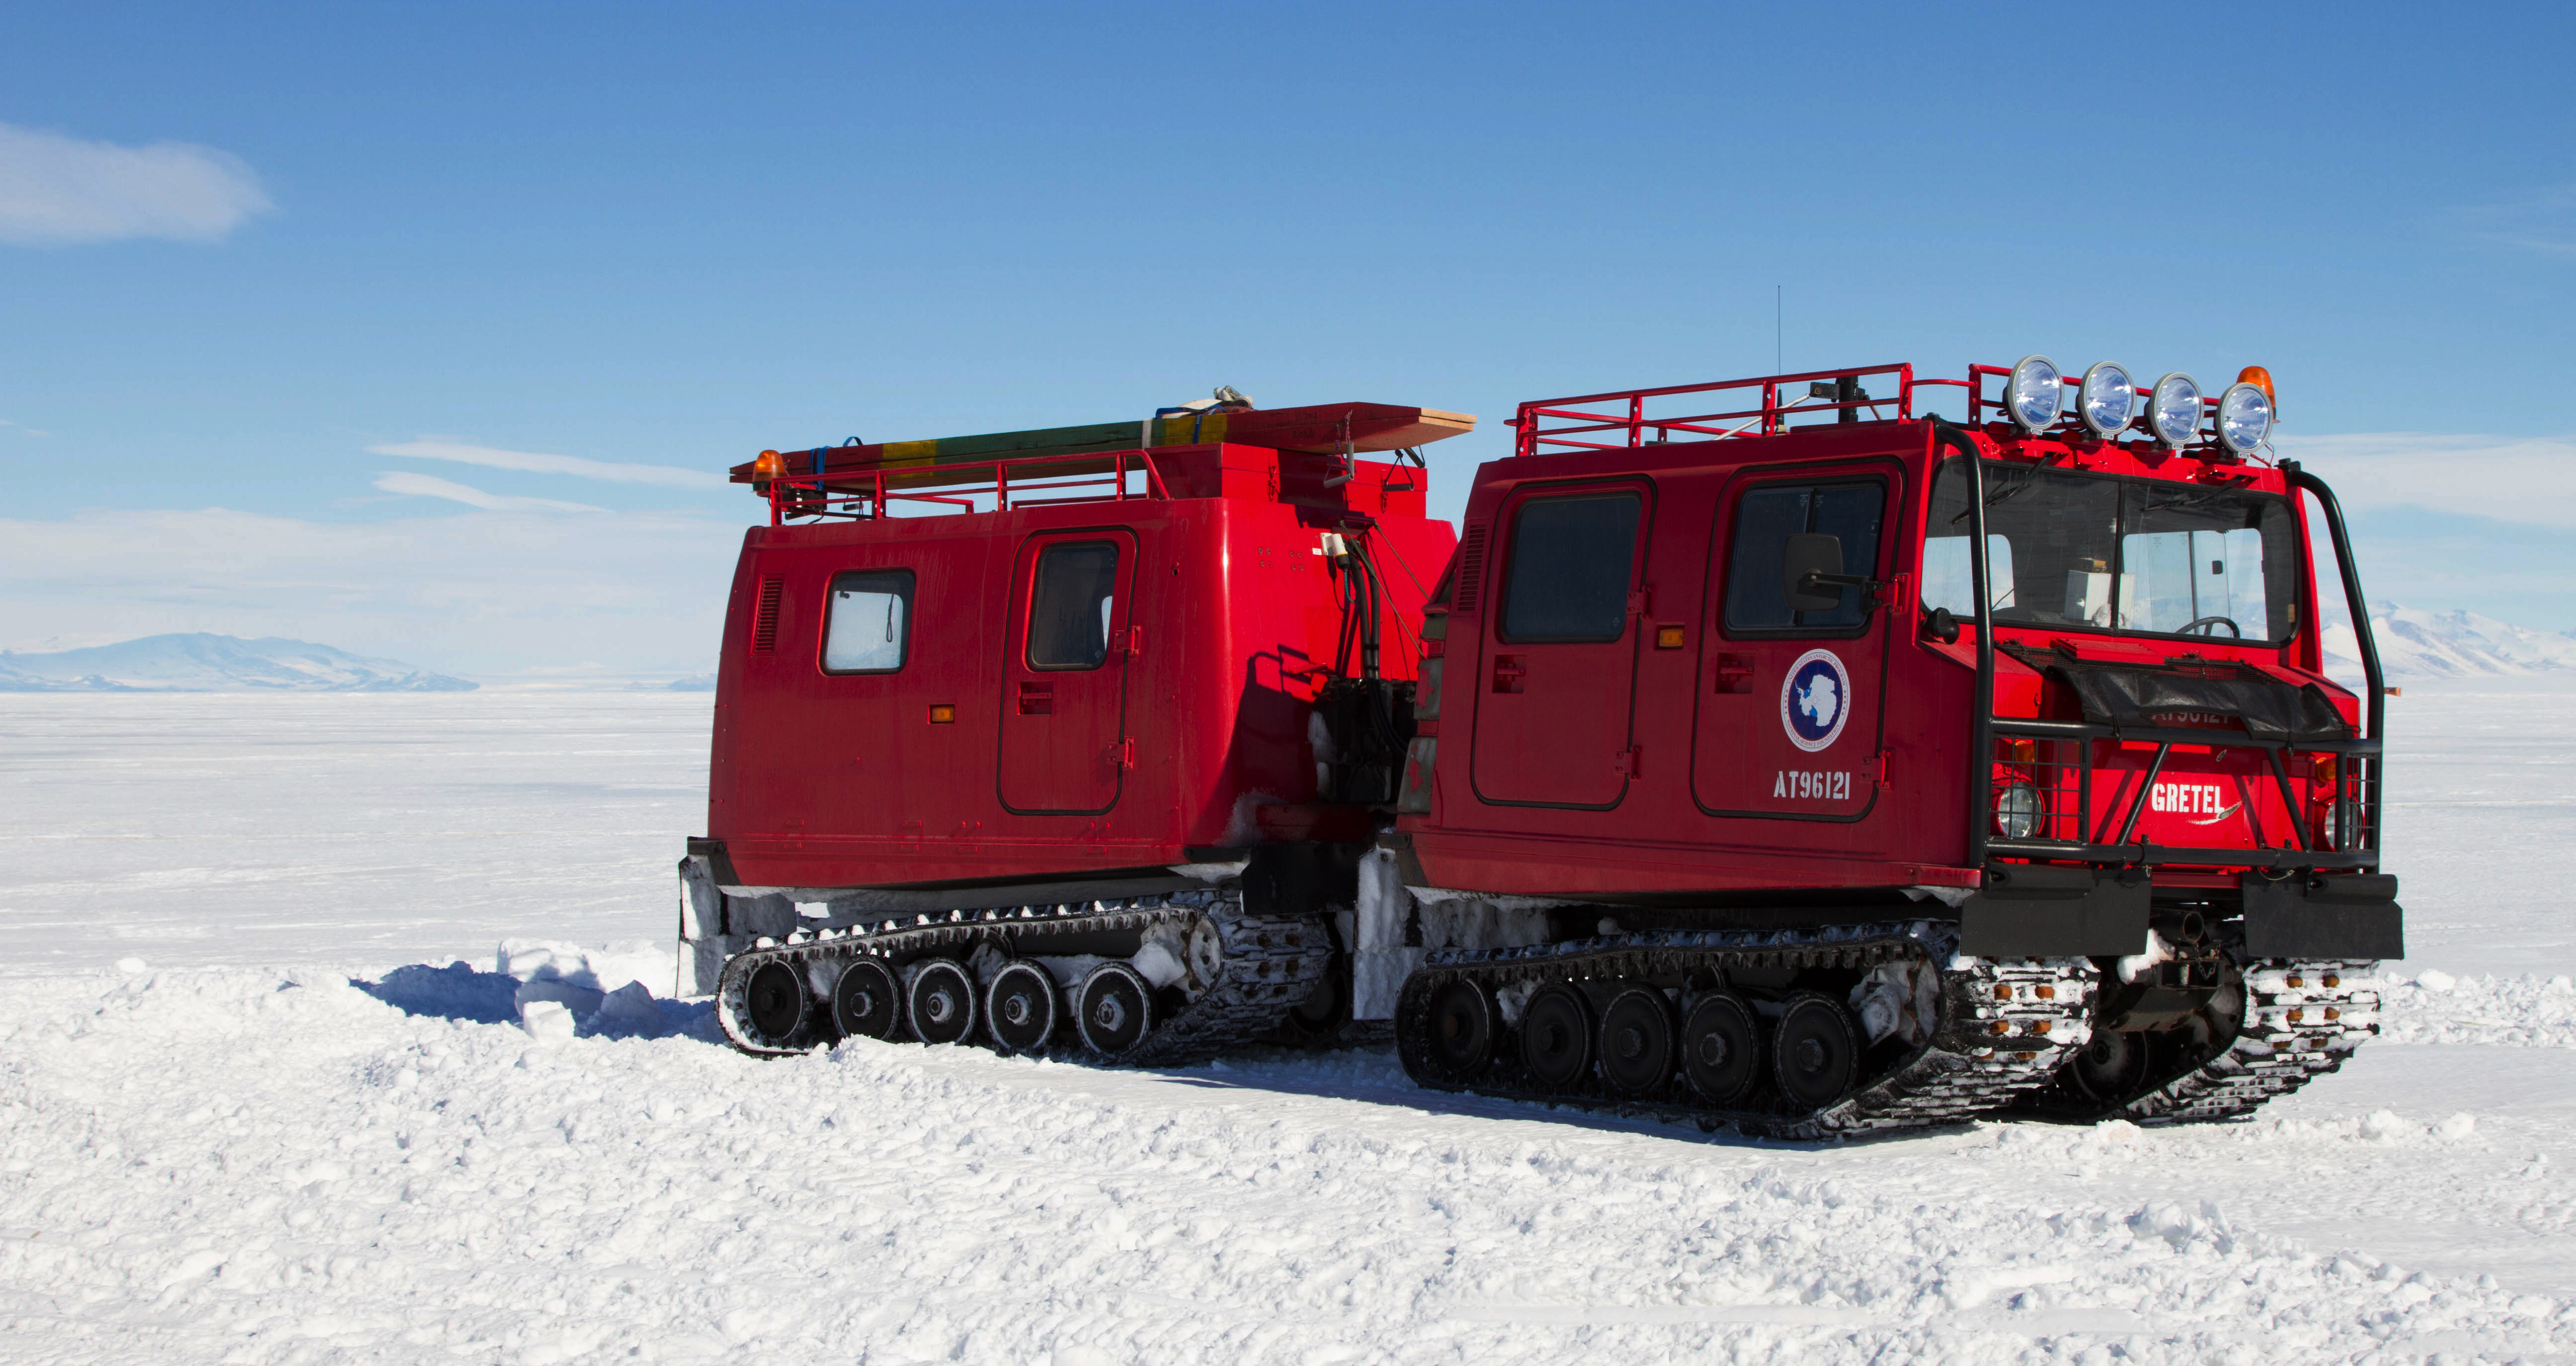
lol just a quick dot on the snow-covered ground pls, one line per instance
(253, 1108)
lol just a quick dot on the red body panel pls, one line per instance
(1673, 767)
(1192, 734)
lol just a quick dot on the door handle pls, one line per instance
(1509, 671)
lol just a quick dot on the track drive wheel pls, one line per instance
(1815, 1051)
(1020, 1008)
(1464, 1021)
(2110, 1068)
(1722, 1050)
(941, 1002)
(866, 1003)
(1114, 1010)
(1637, 1042)
(775, 999)
(1556, 1036)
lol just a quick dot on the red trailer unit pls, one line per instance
(1779, 757)
(1090, 693)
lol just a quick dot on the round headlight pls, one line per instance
(2033, 395)
(2108, 401)
(2174, 411)
(2017, 811)
(2244, 418)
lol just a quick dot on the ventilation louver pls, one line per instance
(1471, 571)
(764, 616)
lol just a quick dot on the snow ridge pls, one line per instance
(200, 662)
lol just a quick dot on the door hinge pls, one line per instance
(1127, 752)
(1136, 641)
(1642, 602)
(1629, 762)
(1880, 766)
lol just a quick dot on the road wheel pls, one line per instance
(1556, 1036)
(1815, 1051)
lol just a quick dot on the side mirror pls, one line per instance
(1811, 572)
(1942, 624)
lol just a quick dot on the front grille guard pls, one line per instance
(2066, 795)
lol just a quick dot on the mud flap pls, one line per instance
(2045, 912)
(2350, 916)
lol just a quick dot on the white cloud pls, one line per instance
(21, 426)
(56, 190)
(2514, 479)
(431, 486)
(469, 592)
(667, 476)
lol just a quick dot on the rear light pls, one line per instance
(2020, 751)
(2017, 811)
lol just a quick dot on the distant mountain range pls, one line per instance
(2416, 645)
(209, 663)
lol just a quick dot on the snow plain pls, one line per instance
(263, 1099)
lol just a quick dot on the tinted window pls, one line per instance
(2133, 555)
(1070, 604)
(1571, 561)
(1765, 518)
(871, 622)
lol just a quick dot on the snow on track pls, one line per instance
(225, 1164)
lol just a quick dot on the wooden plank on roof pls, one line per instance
(1321, 428)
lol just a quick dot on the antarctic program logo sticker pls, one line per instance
(1815, 700)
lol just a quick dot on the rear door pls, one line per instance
(1791, 706)
(1556, 690)
(1064, 742)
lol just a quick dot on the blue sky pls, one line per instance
(253, 256)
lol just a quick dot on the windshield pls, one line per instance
(2134, 555)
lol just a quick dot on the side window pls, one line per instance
(870, 622)
(1765, 518)
(1571, 562)
(1070, 605)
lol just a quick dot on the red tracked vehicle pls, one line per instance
(1732, 784)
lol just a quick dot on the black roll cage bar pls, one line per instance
(2360, 815)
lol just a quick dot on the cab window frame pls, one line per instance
(1730, 514)
(1640, 502)
(1108, 620)
(832, 590)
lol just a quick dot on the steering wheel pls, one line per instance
(2229, 622)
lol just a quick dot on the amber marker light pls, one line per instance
(1668, 637)
(769, 466)
(942, 714)
(2261, 379)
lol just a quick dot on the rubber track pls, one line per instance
(1999, 1035)
(2272, 1053)
(1271, 963)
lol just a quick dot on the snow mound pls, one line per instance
(211, 663)
(2511, 1012)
